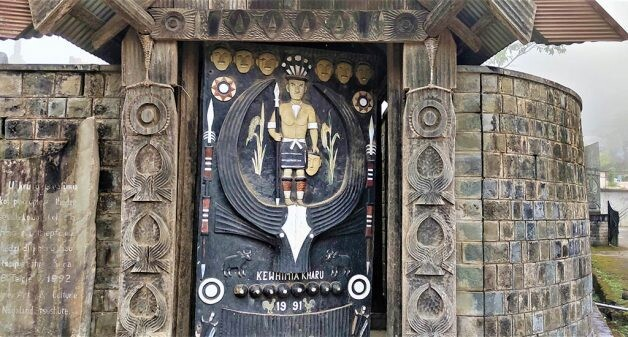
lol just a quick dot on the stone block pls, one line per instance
(10, 84)
(68, 84)
(521, 87)
(472, 326)
(18, 129)
(511, 302)
(104, 323)
(9, 149)
(468, 188)
(517, 210)
(79, 107)
(467, 102)
(467, 209)
(110, 180)
(107, 226)
(496, 209)
(515, 252)
(537, 322)
(490, 277)
(506, 230)
(504, 276)
(31, 148)
(509, 104)
(490, 122)
(469, 303)
(68, 128)
(107, 254)
(38, 84)
(468, 164)
(504, 324)
(56, 107)
(489, 83)
(469, 231)
(494, 142)
(106, 278)
(530, 274)
(469, 277)
(468, 141)
(47, 129)
(107, 107)
(468, 122)
(468, 82)
(492, 103)
(98, 299)
(94, 85)
(490, 189)
(528, 210)
(11, 107)
(472, 252)
(113, 87)
(496, 252)
(533, 251)
(492, 165)
(506, 85)
(491, 231)
(36, 106)
(110, 153)
(493, 303)
(520, 230)
(108, 129)
(111, 300)
(108, 203)
(490, 326)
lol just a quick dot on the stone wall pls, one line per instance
(599, 229)
(40, 108)
(524, 265)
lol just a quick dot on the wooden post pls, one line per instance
(148, 247)
(428, 216)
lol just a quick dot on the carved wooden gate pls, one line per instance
(287, 191)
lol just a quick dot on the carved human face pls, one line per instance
(324, 69)
(296, 89)
(364, 73)
(344, 71)
(221, 58)
(243, 60)
(267, 63)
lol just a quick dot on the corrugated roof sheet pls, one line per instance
(573, 21)
(15, 17)
(516, 15)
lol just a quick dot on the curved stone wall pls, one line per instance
(524, 265)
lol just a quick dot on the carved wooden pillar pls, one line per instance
(149, 231)
(428, 214)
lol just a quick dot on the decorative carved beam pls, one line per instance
(134, 14)
(114, 26)
(46, 14)
(86, 17)
(459, 28)
(441, 15)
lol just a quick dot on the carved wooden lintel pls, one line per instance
(133, 13)
(289, 25)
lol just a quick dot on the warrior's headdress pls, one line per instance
(296, 67)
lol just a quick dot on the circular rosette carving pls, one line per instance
(174, 23)
(143, 311)
(430, 173)
(363, 102)
(211, 291)
(223, 88)
(359, 287)
(430, 312)
(405, 25)
(430, 243)
(429, 112)
(146, 242)
(148, 115)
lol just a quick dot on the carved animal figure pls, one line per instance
(339, 263)
(269, 306)
(236, 262)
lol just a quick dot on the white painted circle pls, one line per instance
(359, 287)
(363, 101)
(223, 87)
(211, 291)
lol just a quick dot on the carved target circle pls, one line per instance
(174, 22)
(405, 25)
(363, 101)
(211, 291)
(429, 119)
(359, 287)
(223, 88)
(148, 115)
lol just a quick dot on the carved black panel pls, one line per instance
(286, 206)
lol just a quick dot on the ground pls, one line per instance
(610, 272)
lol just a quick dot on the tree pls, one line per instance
(509, 54)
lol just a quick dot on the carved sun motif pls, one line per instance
(363, 102)
(223, 88)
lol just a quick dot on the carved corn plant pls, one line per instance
(256, 130)
(329, 138)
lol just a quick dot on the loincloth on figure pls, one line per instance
(293, 153)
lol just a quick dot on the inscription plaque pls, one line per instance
(47, 239)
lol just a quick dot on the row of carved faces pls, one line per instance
(268, 62)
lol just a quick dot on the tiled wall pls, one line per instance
(40, 108)
(524, 265)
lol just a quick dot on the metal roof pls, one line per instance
(15, 17)
(573, 21)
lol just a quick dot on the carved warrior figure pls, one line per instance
(298, 118)
(344, 72)
(221, 58)
(267, 62)
(243, 60)
(324, 69)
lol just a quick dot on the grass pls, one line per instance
(610, 272)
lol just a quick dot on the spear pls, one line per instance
(278, 188)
